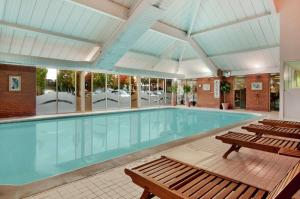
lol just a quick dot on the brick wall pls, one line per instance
(206, 98)
(19, 103)
(258, 100)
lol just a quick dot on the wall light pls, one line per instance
(257, 66)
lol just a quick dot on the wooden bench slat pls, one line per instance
(192, 183)
(236, 194)
(213, 192)
(146, 165)
(225, 192)
(159, 171)
(260, 194)
(206, 188)
(174, 175)
(149, 169)
(180, 178)
(199, 185)
(186, 181)
(248, 194)
(170, 172)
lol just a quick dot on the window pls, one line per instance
(145, 90)
(66, 91)
(292, 75)
(112, 91)
(124, 91)
(154, 96)
(46, 95)
(99, 91)
(168, 91)
(161, 91)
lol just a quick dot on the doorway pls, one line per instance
(274, 92)
(239, 93)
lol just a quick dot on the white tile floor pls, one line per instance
(262, 169)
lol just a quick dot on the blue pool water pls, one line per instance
(35, 150)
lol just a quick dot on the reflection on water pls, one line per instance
(34, 150)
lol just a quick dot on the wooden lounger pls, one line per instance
(273, 145)
(283, 123)
(167, 178)
(273, 130)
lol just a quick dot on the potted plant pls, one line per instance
(186, 90)
(225, 89)
(174, 92)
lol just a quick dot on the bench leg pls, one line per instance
(231, 149)
(146, 195)
(258, 135)
(237, 148)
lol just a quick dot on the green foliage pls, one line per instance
(98, 80)
(225, 88)
(112, 81)
(41, 74)
(174, 88)
(66, 80)
(187, 89)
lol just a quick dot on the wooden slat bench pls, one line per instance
(273, 145)
(168, 178)
(273, 130)
(282, 123)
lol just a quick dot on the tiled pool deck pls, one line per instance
(261, 169)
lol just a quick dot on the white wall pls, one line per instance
(289, 51)
(291, 101)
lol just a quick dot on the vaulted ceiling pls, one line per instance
(187, 37)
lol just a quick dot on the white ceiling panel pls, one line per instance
(239, 37)
(180, 14)
(153, 43)
(18, 42)
(59, 16)
(249, 60)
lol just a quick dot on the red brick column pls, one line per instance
(19, 103)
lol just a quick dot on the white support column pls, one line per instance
(213, 68)
(141, 20)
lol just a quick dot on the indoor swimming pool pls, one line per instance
(35, 150)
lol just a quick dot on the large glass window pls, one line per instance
(124, 92)
(168, 91)
(66, 91)
(154, 97)
(292, 75)
(99, 91)
(180, 93)
(46, 100)
(112, 91)
(145, 90)
(161, 91)
(88, 91)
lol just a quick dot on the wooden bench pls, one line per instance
(168, 178)
(282, 123)
(273, 145)
(273, 130)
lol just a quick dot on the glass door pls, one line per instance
(88, 91)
